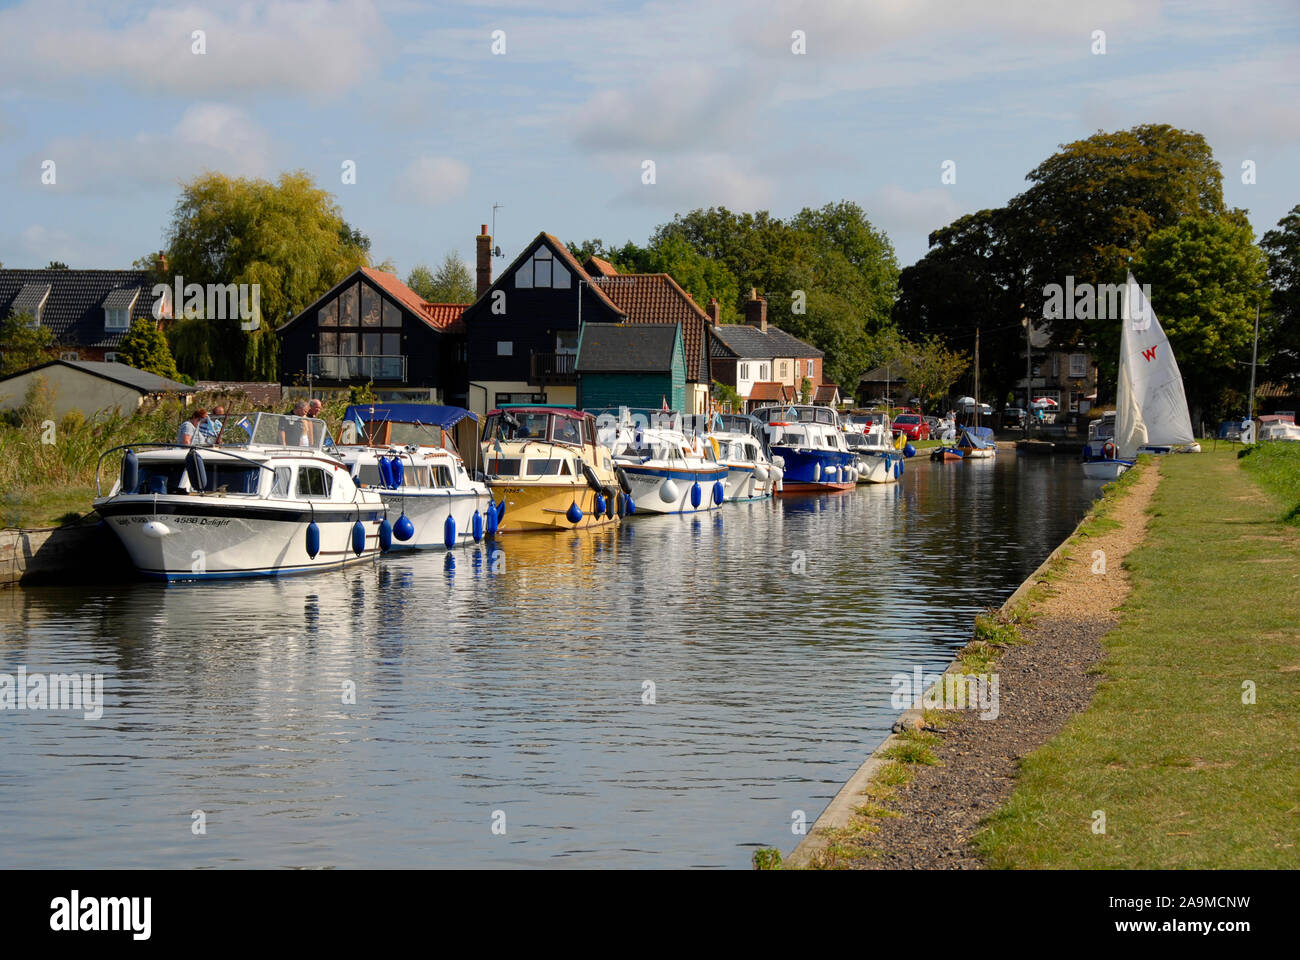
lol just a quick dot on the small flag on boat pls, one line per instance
(246, 426)
(665, 402)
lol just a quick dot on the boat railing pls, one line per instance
(221, 451)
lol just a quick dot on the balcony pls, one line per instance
(553, 368)
(328, 366)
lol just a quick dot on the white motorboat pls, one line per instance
(870, 440)
(668, 470)
(738, 440)
(268, 501)
(1278, 427)
(407, 452)
(810, 442)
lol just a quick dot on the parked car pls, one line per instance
(912, 426)
(1014, 417)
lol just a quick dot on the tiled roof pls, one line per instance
(826, 394)
(627, 347)
(773, 390)
(657, 298)
(1277, 391)
(123, 298)
(260, 394)
(595, 266)
(128, 376)
(30, 298)
(742, 341)
(74, 310)
(789, 346)
(440, 316)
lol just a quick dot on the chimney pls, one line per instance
(756, 310)
(160, 263)
(714, 311)
(484, 251)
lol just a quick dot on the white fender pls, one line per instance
(668, 491)
(155, 529)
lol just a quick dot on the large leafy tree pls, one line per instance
(1282, 335)
(288, 237)
(1206, 276)
(145, 348)
(451, 283)
(23, 344)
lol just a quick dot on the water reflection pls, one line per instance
(514, 676)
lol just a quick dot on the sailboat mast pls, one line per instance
(977, 377)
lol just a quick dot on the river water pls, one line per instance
(674, 692)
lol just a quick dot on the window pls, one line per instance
(505, 348)
(785, 369)
(543, 468)
(313, 482)
(566, 341)
(744, 371)
(392, 314)
(348, 307)
(811, 367)
(369, 306)
(116, 319)
(1078, 364)
(762, 371)
(280, 486)
(328, 315)
(68, 355)
(497, 467)
(542, 270)
(110, 357)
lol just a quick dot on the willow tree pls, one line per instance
(288, 238)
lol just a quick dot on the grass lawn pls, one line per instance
(45, 508)
(1186, 773)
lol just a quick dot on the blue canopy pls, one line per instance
(430, 414)
(977, 437)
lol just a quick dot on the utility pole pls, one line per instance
(1029, 371)
(1254, 358)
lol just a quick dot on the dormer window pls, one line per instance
(118, 306)
(31, 300)
(542, 270)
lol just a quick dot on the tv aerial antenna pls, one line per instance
(496, 252)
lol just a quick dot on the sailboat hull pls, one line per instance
(1106, 470)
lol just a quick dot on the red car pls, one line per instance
(912, 426)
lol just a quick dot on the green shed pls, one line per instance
(631, 365)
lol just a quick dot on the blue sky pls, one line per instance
(557, 127)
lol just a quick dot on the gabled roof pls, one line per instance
(444, 317)
(121, 373)
(628, 347)
(770, 390)
(121, 298)
(74, 306)
(262, 394)
(826, 394)
(657, 298)
(881, 375)
(30, 298)
(558, 250)
(596, 267)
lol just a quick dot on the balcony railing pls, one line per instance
(547, 368)
(328, 366)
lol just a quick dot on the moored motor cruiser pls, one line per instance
(268, 501)
(669, 471)
(810, 441)
(408, 452)
(546, 470)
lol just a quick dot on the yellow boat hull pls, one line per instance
(545, 506)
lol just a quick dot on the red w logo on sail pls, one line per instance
(1150, 353)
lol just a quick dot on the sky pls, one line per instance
(552, 108)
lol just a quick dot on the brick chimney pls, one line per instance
(756, 310)
(160, 263)
(484, 252)
(714, 311)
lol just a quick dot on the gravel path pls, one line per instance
(1041, 685)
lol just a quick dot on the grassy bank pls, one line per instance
(1185, 773)
(1276, 468)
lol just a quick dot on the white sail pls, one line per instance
(1151, 407)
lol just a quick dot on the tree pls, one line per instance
(56, 265)
(1203, 274)
(23, 344)
(1281, 337)
(287, 237)
(930, 368)
(452, 283)
(145, 348)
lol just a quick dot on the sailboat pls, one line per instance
(977, 442)
(1150, 407)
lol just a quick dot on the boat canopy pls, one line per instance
(977, 438)
(430, 414)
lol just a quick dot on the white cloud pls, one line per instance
(315, 47)
(696, 180)
(208, 136)
(432, 180)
